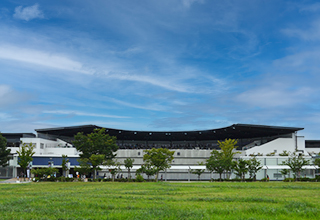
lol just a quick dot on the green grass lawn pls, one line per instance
(164, 200)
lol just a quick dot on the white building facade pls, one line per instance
(191, 147)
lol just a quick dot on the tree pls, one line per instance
(284, 172)
(64, 164)
(85, 166)
(4, 152)
(148, 169)
(253, 167)
(216, 163)
(25, 153)
(128, 163)
(221, 161)
(159, 158)
(241, 168)
(92, 163)
(296, 162)
(198, 171)
(93, 145)
(227, 148)
(317, 162)
(114, 168)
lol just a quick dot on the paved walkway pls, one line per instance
(15, 180)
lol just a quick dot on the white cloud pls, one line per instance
(310, 8)
(303, 62)
(154, 107)
(156, 81)
(37, 57)
(28, 13)
(309, 34)
(188, 3)
(8, 96)
(79, 113)
(270, 97)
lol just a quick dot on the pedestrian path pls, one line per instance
(15, 180)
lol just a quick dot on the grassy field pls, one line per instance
(164, 200)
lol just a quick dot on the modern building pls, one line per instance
(191, 147)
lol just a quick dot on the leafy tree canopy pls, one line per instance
(148, 169)
(254, 166)
(160, 158)
(128, 163)
(296, 162)
(216, 163)
(4, 152)
(25, 153)
(97, 142)
(96, 148)
(241, 168)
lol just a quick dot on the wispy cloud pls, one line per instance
(28, 13)
(269, 97)
(188, 3)
(153, 107)
(79, 113)
(309, 32)
(9, 97)
(41, 58)
(309, 7)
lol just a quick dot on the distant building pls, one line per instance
(190, 148)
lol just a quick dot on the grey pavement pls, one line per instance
(15, 180)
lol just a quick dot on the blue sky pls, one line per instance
(159, 65)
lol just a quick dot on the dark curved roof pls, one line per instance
(235, 131)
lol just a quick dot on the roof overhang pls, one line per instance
(235, 131)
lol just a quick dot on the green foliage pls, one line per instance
(25, 153)
(296, 162)
(288, 180)
(198, 172)
(139, 178)
(217, 163)
(221, 161)
(241, 167)
(253, 167)
(128, 163)
(4, 152)
(64, 162)
(317, 162)
(271, 154)
(257, 154)
(114, 168)
(45, 173)
(264, 179)
(159, 158)
(148, 169)
(285, 172)
(97, 142)
(285, 153)
(96, 148)
(85, 166)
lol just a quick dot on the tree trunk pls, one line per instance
(94, 173)
(157, 176)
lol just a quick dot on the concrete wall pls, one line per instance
(279, 145)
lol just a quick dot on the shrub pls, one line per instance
(264, 180)
(305, 179)
(288, 180)
(139, 178)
